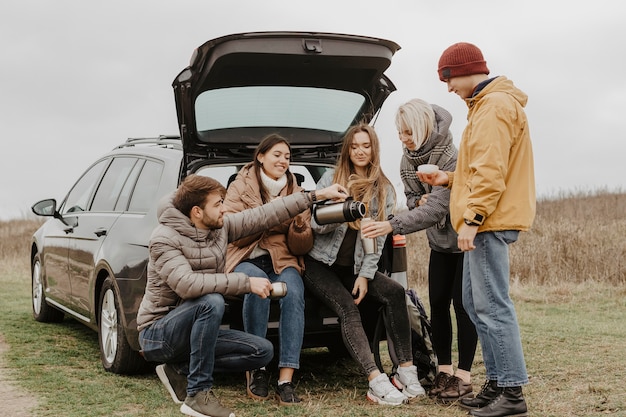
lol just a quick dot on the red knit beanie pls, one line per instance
(461, 59)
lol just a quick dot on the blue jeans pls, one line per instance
(256, 310)
(487, 302)
(189, 338)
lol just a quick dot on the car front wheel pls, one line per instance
(116, 354)
(42, 311)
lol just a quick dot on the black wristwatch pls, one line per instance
(476, 221)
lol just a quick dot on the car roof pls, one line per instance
(307, 86)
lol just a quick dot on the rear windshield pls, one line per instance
(299, 107)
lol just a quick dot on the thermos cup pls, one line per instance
(279, 290)
(370, 245)
(348, 211)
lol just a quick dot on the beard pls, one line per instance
(212, 223)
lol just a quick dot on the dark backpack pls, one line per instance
(424, 357)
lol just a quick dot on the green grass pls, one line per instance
(573, 339)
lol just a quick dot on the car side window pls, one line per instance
(78, 198)
(145, 193)
(124, 198)
(114, 179)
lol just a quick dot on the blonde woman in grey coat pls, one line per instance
(423, 129)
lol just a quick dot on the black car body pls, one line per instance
(89, 260)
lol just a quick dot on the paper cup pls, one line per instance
(428, 169)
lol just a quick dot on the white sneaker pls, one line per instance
(407, 381)
(383, 392)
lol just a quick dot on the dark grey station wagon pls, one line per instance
(89, 259)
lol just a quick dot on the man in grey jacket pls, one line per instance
(180, 315)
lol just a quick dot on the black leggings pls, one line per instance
(445, 274)
(333, 285)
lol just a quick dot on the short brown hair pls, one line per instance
(193, 191)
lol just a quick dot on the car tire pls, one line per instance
(115, 352)
(42, 311)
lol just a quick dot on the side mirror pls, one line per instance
(46, 207)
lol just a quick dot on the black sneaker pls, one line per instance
(286, 394)
(175, 383)
(257, 384)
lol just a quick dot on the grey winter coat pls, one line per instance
(187, 262)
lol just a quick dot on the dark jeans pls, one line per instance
(445, 276)
(333, 285)
(190, 339)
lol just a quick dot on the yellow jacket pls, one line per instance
(494, 176)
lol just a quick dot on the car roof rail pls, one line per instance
(172, 141)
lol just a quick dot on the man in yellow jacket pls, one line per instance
(492, 199)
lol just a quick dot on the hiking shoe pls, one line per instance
(205, 404)
(509, 402)
(257, 384)
(488, 392)
(439, 384)
(383, 392)
(175, 383)
(456, 389)
(286, 394)
(407, 381)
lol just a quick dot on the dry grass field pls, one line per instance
(575, 238)
(568, 283)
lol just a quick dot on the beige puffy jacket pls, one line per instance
(186, 262)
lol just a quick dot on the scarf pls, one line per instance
(273, 186)
(437, 150)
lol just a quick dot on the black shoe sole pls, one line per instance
(450, 400)
(281, 402)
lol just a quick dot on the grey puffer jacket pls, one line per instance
(186, 262)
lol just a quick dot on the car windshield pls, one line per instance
(257, 106)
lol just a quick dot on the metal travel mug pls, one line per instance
(370, 245)
(279, 290)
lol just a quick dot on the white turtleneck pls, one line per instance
(273, 186)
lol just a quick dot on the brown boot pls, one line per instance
(439, 384)
(455, 390)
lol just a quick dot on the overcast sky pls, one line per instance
(78, 77)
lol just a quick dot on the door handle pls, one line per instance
(100, 232)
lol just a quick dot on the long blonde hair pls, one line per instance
(375, 185)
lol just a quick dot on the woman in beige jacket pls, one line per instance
(274, 254)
